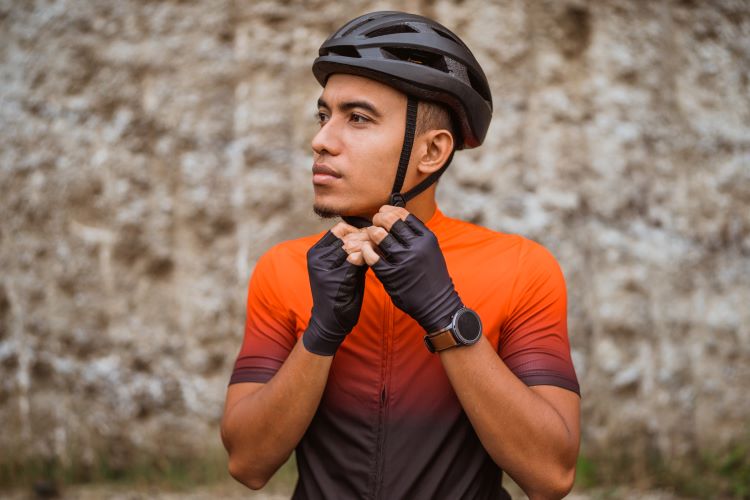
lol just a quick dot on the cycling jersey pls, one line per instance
(389, 424)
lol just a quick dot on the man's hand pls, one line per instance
(337, 281)
(406, 258)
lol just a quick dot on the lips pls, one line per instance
(324, 175)
(320, 169)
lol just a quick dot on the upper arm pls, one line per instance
(534, 340)
(270, 324)
(236, 393)
(568, 405)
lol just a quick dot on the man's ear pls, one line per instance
(437, 146)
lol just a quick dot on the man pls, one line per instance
(403, 354)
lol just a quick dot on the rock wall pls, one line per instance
(151, 151)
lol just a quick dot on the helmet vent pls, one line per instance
(391, 30)
(479, 86)
(344, 50)
(445, 35)
(356, 25)
(435, 61)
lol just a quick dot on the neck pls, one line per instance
(424, 205)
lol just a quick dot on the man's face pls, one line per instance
(357, 148)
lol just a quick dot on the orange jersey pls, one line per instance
(389, 424)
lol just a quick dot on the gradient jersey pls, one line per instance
(389, 424)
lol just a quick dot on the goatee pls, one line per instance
(325, 212)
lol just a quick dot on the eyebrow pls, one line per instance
(349, 105)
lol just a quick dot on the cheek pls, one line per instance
(376, 155)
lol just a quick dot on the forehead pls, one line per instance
(341, 88)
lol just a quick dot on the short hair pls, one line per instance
(433, 115)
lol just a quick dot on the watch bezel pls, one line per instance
(457, 334)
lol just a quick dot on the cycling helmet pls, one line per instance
(424, 60)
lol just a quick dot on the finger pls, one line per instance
(353, 246)
(402, 231)
(376, 234)
(337, 257)
(388, 216)
(388, 246)
(342, 229)
(356, 258)
(359, 236)
(328, 239)
(391, 208)
(416, 224)
(353, 241)
(369, 254)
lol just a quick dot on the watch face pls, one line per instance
(468, 326)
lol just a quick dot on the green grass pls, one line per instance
(166, 472)
(710, 475)
(585, 473)
(724, 474)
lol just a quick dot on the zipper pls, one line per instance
(388, 311)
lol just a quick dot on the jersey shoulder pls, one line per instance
(287, 255)
(280, 275)
(516, 257)
(460, 233)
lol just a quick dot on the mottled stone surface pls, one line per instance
(151, 151)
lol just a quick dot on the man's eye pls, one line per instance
(321, 117)
(357, 118)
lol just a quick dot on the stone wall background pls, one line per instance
(151, 151)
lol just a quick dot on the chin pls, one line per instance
(328, 207)
(330, 211)
(325, 212)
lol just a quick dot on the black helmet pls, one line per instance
(417, 56)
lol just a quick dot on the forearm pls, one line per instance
(523, 433)
(262, 428)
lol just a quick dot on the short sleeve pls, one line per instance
(270, 326)
(534, 339)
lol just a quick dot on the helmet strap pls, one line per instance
(429, 181)
(396, 198)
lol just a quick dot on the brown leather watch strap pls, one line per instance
(442, 340)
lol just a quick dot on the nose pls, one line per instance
(326, 140)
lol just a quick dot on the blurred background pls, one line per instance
(151, 151)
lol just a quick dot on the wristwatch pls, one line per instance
(465, 329)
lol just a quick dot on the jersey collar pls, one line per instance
(436, 219)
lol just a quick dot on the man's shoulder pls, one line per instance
(294, 248)
(285, 257)
(524, 250)
(469, 234)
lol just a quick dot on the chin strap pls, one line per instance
(358, 222)
(396, 198)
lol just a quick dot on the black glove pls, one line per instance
(338, 287)
(413, 272)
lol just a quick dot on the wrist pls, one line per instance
(450, 306)
(465, 329)
(318, 341)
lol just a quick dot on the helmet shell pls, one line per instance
(417, 56)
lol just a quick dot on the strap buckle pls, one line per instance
(397, 200)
